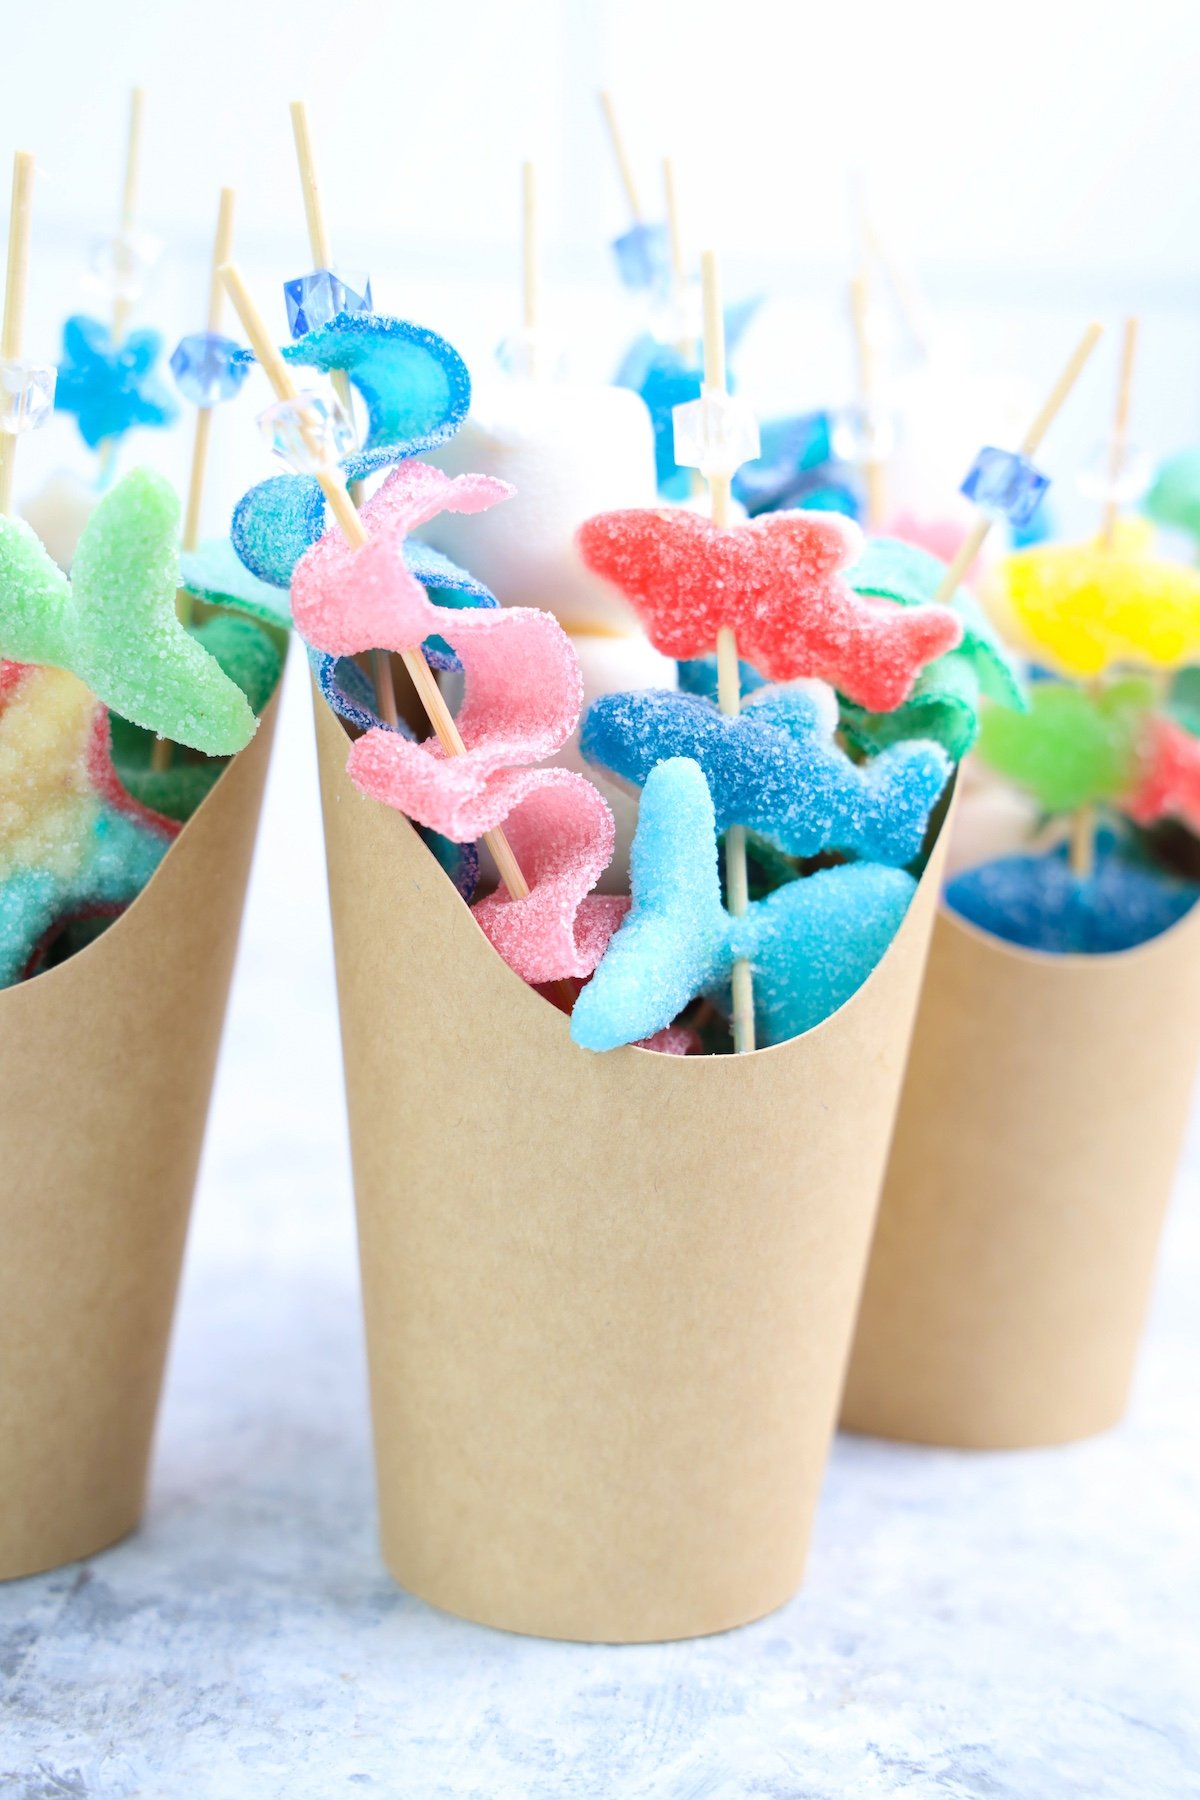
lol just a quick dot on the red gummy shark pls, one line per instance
(1169, 786)
(776, 581)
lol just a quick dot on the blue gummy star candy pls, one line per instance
(811, 944)
(776, 768)
(1040, 904)
(666, 378)
(111, 389)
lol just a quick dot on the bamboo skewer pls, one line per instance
(355, 532)
(620, 151)
(729, 686)
(122, 303)
(873, 470)
(1051, 406)
(16, 282)
(1082, 848)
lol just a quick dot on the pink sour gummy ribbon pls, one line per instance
(522, 695)
(777, 582)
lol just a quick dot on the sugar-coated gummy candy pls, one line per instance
(1082, 608)
(779, 582)
(111, 388)
(777, 769)
(568, 449)
(1168, 784)
(72, 841)
(113, 621)
(1038, 903)
(521, 700)
(1174, 497)
(214, 572)
(811, 944)
(1072, 747)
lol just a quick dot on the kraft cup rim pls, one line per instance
(130, 918)
(791, 1046)
(1075, 961)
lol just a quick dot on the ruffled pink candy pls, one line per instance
(521, 701)
(776, 581)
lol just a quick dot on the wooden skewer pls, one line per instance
(624, 166)
(906, 299)
(1049, 411)
(129, 194)
(1120, 431)
(16, 282)
(355, 532)
(322, 255)
(729, 686)
(530, 285)
(874, 471)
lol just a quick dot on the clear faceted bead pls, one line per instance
(716, 433)
(1005, 485)
(120, 264)
(318, 297)
(309, 433)
(1120, 483)
(862, 435)
(643, 256)
(26, 395)
(529, 355)
(206, 368)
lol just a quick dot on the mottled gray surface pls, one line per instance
(1020, 1627)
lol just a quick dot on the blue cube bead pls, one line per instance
(318, 297)
(205, 368)
(1005, 485)
(643, 256)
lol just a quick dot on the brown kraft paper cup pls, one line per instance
(608, 1298)
(1038, 1134)
(106, 1063)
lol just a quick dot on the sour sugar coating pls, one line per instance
(1071, 747)
(1082, 608)
(72, 841)
(522, 694)
(113, 622)
(1038, 903)
(777, 769)
(779, 582)
(811, 944)
(569, 451)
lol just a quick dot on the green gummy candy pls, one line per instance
(1174, 499)
(1072, 747)
(114, 622)
(944, 706)
(215, 572)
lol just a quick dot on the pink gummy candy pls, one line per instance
(522, 694)
(776, 582)
(1169, 787)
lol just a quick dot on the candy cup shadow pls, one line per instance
(106, 1066)
(1037, 1139)
(608, 1297)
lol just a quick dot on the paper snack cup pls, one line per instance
(1039, 1129)
(105, 1068)
(608, 1297)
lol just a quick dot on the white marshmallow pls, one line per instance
(58, 513)
(570, 452)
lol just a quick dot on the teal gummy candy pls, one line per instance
(811, 944)
(1174, 497)
(111, 387)
(776, 768)
(216, 573)
(113, 622)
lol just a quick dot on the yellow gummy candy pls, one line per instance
(1081, 608)
(47, 801)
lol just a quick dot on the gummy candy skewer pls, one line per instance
(729, 687)
(684, 344)
(1082, 843)
(1051, 406)
(20, 221)
(873, 470)
(122, 301)
(355, 532)
(322, 255)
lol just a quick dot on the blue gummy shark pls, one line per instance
(776, 768)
